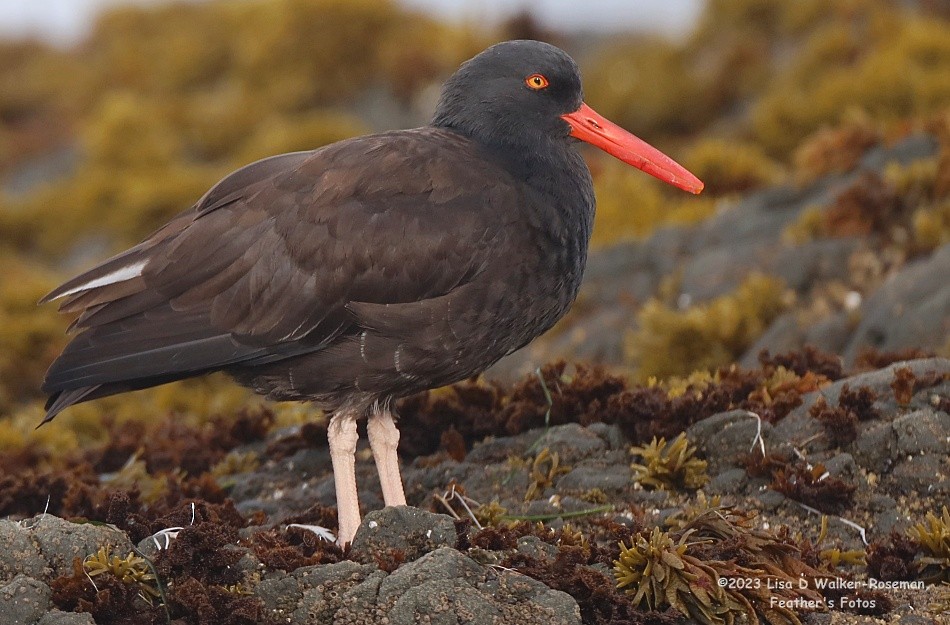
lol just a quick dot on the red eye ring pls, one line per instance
(536, 82)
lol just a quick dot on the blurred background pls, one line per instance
(823, 121)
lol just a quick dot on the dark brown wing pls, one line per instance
(265, 265)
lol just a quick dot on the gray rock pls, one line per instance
(770, 499)
(908, 150)
(451, 588)
(729, 482)
(885, 521)
(879, 381)
(413, 531)
(724, 437)
(842, 466)
(536, 548)
(874, 447)
(344, 572)
(495, 450)
(719, 270)
(802, 266)
(67, 618)
(611, 480)
(323, 589)
(444, 563)
(781, 336)
(18, 552)
(882, 503)
(280, 594)
(830, 335)
(911, 308)
(60, 541)
(923, 431)
(610, 434)
(358, 604)
(926, 474)
(24, 600)
(571, 442)
(445, 602)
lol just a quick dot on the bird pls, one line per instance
(367, 270)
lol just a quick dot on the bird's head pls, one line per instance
(528, 95)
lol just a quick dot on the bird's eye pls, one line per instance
(536, 81)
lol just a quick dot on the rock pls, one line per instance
(911, 309)
(536, 548)
(18, 552)
(803, 266)
(725, 437)
(923, 431)
(67, 618)
(908, 150)
(610, 434)
(878, 381)
(874, 447)
(885, 521)
(495, 450)
(771, 499)
(45, 546)
(443, 585)
(719, 270)
(412, 531)
(280, 594)
(451, 588)
(611, 480)
(728, 482)
(358, 604)
(571, 442)
(60, 541)
(926, 474)
(830, 334)
(23, 600)
(322, 589)
(843, 466)
(782, 335)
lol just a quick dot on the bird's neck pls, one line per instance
(558, 175)
(555, 176)
(560, 194)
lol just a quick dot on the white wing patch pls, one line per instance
(119, 275)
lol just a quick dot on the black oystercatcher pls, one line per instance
(369, 269)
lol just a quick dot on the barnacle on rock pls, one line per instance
(933, 536)
(657, 571)
(667, 466)
(130, 570)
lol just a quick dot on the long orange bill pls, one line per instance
(588, 125)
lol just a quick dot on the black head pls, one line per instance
(523, 100)
(514, 93)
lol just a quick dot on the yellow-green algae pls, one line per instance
(671, 342)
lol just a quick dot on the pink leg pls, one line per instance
(383, 440)
(342, 436)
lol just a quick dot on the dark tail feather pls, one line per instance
(62, 400)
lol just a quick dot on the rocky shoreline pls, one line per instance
(788, 494)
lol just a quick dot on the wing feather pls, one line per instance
(265, 265)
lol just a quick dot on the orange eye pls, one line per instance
(536, 81)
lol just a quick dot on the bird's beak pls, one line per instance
(588, 125)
